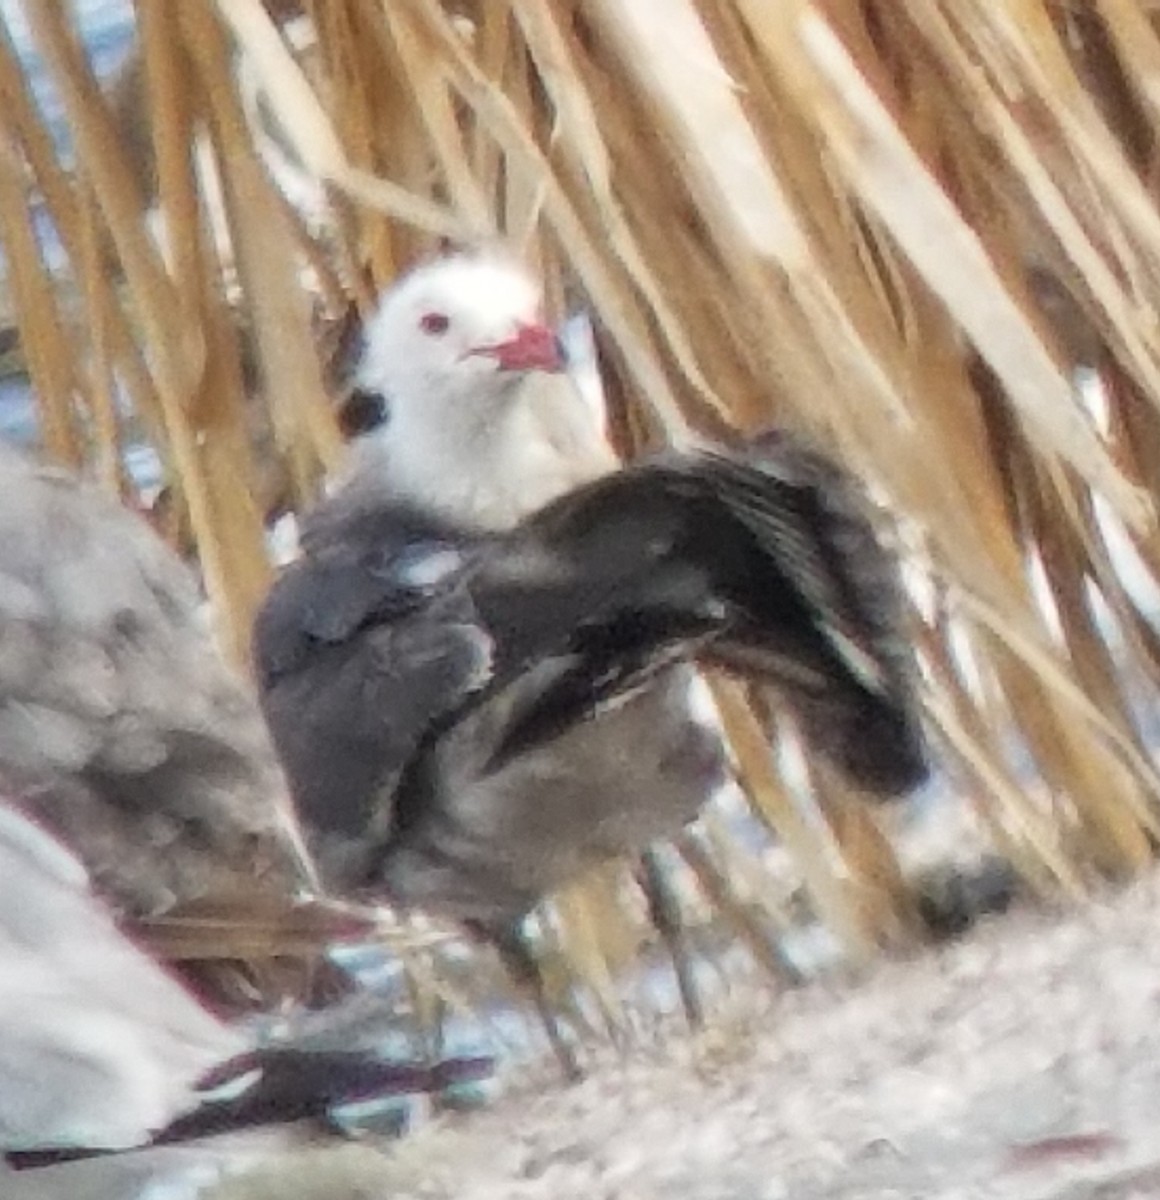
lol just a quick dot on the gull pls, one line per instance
(477, 675)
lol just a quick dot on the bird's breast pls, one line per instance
(494, 841)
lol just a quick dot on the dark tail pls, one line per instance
(849, 679)
(765, 562)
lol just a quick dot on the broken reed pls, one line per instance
(899, 224)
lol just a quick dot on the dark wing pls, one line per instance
(361, 647)
(602, 584)
(764, 561)
(390, 631)
(119, 723)
(392, 627)
(850, 675)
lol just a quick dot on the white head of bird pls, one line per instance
(459, 324)
(451, 349)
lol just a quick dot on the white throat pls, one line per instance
(490, 462)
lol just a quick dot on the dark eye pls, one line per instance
(434, 323)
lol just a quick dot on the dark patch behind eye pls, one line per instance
(361, 412)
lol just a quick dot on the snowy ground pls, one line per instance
(1022, 1062)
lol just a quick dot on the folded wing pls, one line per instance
(765, 562)
(394, 630)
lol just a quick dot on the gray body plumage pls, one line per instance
(496, 841)
(470, 738)
(120, 726)
(359, 666)
(478, 674)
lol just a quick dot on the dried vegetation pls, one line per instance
(904, 225)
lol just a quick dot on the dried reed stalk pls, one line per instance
(898, 225)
